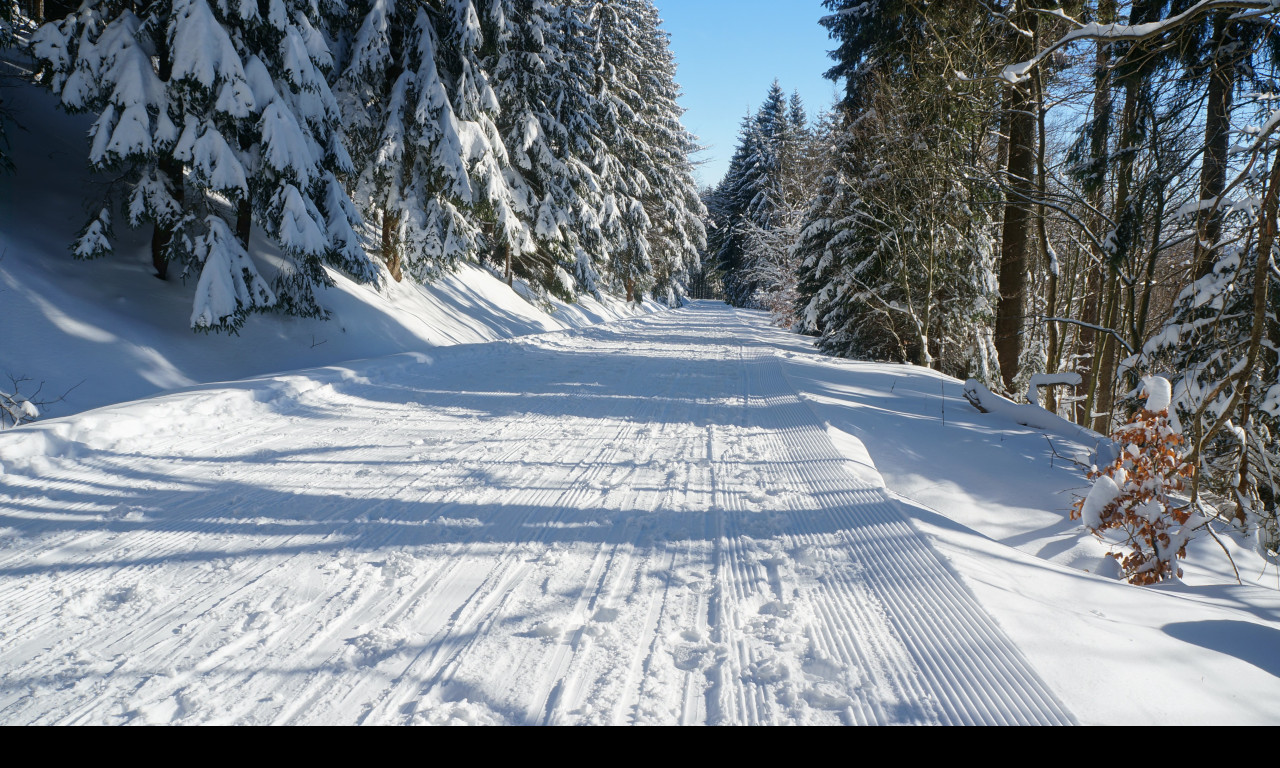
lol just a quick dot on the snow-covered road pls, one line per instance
(635, 523)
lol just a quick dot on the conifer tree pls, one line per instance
(753, 192)
(430, 171)
(181, 96)
(896, 254)
(546, 126)
(295, 152)
(9, 17)
(615, 34)
(673, 203)
(728, 205)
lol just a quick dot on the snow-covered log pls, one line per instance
(1061, 379)
(1036, 417)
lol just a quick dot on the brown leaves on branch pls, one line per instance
(1133, 496)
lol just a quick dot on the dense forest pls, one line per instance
(1017, 188)
(383, 139)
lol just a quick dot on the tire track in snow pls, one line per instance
(154, 544)
(741, 573)
(592, 457)
(974, 674)
(465, 620)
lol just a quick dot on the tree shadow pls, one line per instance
(1253, 643)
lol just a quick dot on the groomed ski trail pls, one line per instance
(641, 522)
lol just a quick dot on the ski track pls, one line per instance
(641, 522)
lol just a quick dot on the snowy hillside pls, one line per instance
(108, 331)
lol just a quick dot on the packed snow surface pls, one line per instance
(671, 519)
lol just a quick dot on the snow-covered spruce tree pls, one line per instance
(1135, 495)
(107, 60)
(550, 138)
(430, 165)
(755, 190)
(294, 151)
(897, 252)
(673, 203)
(851, 274)
(896, 262)
(762, 178)
(614, 33)
(826, 232)
(645, 171)
(578, 112)
(466, 45)
(771, 264)
(727, 206)
(182, 94)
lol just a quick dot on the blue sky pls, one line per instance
(729, 51)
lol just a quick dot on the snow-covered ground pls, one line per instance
(680, 518)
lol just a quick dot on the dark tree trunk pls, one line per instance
(389, 252)
(1090, 311)
(1128, 218)
(162, 236)
(1105, 355)
(1015, 243)
(1217, 140)
(244, 222)
(1055, 341)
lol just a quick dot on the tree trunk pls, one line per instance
(1090, 313)
(1051, 309)
(1015, 243)
(506, 252)
(1217, 140)
(161, 235)
(1128, 221)
(1104, 384)
(388, 251)
(244, 222)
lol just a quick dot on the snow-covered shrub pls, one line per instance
(1134, 495)
(15, 408)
